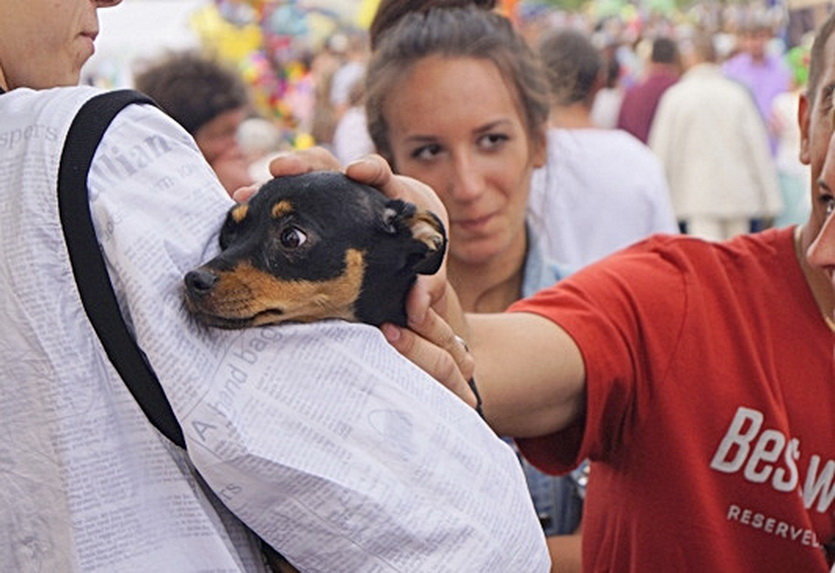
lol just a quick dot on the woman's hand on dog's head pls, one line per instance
(375, 171)
(293, 163)
(372, 170)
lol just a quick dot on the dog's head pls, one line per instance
(316, 246)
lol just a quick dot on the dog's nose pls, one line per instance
(200, 282)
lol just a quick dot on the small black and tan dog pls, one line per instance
(316, 246)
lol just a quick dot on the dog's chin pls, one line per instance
(262, 318)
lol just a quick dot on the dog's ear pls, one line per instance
(429, 229)
(395, 214)
(425, 230)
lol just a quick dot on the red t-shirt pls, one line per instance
(710, 416)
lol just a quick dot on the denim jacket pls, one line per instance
(558, 500)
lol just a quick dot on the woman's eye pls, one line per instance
(292, 238)
(426, 152)
(829, 206)
(492, 140)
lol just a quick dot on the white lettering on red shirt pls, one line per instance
(766, 455)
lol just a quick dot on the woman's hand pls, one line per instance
(293, 163)
(435, 348)
(375, 171)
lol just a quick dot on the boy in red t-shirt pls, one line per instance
(708, 407)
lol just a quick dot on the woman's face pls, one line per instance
(455, 125)
(44, 43)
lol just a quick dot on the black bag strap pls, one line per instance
(88, 266)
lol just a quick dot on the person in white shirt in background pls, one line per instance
(601, 189)
(714, 147)
(350, 138)
(352, 45)
(608, 98)
(260, 140)
(792, 173)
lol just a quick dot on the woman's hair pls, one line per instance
(454, 32)
(389, 12)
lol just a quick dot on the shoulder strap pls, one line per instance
(88, 266)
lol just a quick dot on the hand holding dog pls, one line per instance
(435, 315)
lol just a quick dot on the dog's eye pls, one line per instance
(292, 238)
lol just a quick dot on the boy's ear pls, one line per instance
(804, 111)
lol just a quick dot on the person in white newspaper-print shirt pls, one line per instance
(320, 438)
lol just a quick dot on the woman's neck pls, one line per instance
(492, 286)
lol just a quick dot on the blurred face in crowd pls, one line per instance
(455, 124)
(754, 42)
(44, 43)
(817, 126)
(218, 141)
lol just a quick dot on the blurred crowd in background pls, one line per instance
(301, 64)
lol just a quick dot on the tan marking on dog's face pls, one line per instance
(281, 208)
(238, 214)
(247, 296)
